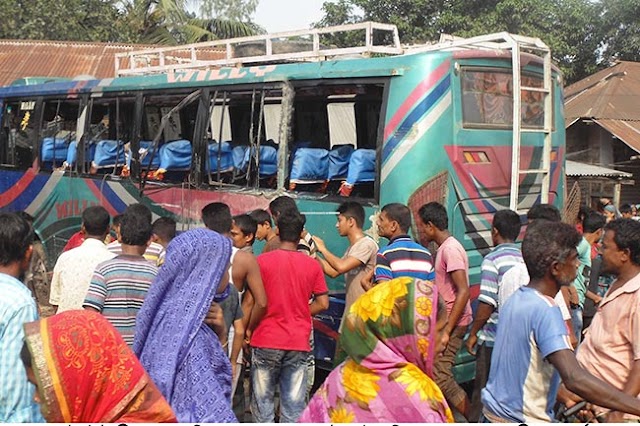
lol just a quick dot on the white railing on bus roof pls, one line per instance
(206, 54)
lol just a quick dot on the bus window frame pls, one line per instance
(84, 113)
(385, 83)
(502, 70)
(82, 102)
(227, 92)
(34, 139)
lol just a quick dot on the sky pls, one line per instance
(285, 15)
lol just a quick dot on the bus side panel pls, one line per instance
(428, 156)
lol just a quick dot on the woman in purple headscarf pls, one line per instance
(182, 355)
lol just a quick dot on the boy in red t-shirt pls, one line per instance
(280, 342)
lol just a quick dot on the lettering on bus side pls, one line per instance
(219, 74)
(69, 208)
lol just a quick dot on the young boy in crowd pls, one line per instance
(265, 230)
(243, 232)
(164, 230)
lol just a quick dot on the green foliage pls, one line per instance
(83, 20)
(574, 29)
(621, 21)
(231, 10)
(165, 22)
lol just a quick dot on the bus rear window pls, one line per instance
(487, 100)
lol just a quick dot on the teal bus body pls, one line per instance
(438, 123)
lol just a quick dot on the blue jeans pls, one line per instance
(576, 322)
(286, 369)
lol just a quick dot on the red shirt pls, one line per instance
(76, 240)
(290, 278)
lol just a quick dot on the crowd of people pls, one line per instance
(150, 326)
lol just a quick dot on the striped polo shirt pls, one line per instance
(155, 252)
(495, 264)
(403, 257)
(117, 290)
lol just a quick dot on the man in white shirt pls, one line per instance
(74, 268)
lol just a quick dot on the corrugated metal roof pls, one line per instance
(612, 93)
(573, 168)
(29, 58)
(625, 130)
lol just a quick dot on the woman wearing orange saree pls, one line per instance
(391, 336)
(85, 373)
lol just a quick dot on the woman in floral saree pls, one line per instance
(86, 373)
(391, 336)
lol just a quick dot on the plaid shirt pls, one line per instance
(16, 393)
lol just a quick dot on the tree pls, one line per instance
(232, 10)
(81, 20)
(622, 30)
(569, 27)
(168, 22)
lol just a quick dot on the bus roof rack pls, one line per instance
(495, 41)
(368, 38)
(299, 45)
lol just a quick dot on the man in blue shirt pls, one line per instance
(16, 308)
(535, 347)
(506, 254)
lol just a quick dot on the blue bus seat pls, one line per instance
(226, 157)
(54, 149)
(339, 157)
(240, 159)
(175, 155)
(145, 155)
(310, 165)
(362, 166)
(268, 159)
(297, 145)
(108, 153)
(72, 153)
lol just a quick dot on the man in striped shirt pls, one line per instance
(403, 257)
(505, 255)
(119, 285)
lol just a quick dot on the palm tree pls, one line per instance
(168, 22)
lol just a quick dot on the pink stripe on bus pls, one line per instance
(417, 93)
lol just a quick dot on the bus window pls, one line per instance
(487, 99)
(108, 134)
(335, 126)
(19, 132)
(58, 134)
(169, 157)
(245, 132)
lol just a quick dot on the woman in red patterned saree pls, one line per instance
(85, 373)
